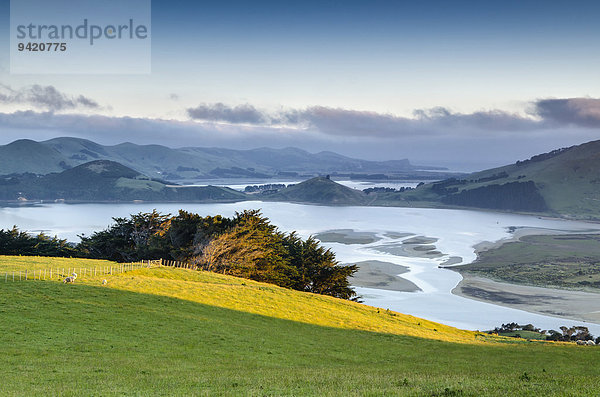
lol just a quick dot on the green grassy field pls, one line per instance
(180, 332)
(563, 261)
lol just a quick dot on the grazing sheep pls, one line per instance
(70, 279)
(104, 282)
(590, 343)
(581, 342)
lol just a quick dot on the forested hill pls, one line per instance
(564, 182)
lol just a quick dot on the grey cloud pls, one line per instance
(355, 123)
(44, 97)
(221, 112)
(433, 121)
(583, 112)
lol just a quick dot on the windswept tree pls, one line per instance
(256, 249)
(251, 249)
(319, 272)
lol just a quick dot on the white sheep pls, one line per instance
(70, 279)
(104, 282)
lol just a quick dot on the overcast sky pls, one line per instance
(464, 84)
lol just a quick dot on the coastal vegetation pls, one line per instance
(247, 245)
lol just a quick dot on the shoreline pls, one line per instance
(567, 304)
(563, 303)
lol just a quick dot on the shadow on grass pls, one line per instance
(81, 339)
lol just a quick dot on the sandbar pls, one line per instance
(382, 275)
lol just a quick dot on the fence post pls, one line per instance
(25, 274)
(13, 276)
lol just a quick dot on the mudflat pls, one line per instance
(382, 275)
(578, 305)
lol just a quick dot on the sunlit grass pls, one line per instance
(179, 332)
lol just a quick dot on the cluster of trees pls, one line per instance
(247, 245)
(16, 242)
(566, 334)
(510, 327)
(571, 334)
(387, 189)
(267, 188)
(543, 156)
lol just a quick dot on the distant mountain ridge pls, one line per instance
(564, 182)
(58, 154)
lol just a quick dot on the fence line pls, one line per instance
(59, 273)
(184, 265)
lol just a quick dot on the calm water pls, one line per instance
(457, 230)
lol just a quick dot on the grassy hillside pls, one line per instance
(104, 180)
(563, 182)
(320, 190)
(180, 332)
(26, 155)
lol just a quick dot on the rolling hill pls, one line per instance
(190, 162)
(564, 182)
(183, 332)
(103, 180)
(319, 190)
(26, 155)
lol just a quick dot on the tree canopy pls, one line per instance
(246, 245)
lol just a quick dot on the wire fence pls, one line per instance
(184, 265)
(62, 273)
